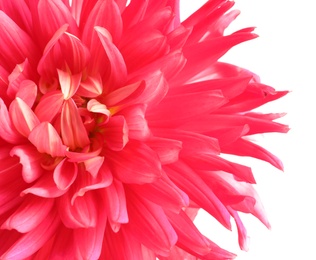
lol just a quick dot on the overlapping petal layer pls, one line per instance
(113, 119)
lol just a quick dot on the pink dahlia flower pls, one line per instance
(113, 119)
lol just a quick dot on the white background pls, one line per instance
(284, 56)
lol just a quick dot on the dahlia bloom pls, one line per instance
(113, 119)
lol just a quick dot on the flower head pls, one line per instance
(113, 119)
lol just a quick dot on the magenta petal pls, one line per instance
(29, 214)
(31, 160)
(65, 174)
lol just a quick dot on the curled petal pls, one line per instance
(65, 174)
(97, 107)
(31, 160)
(23, 117)
(68, 83)
(116, 132)
(7, 129)
(46, 139)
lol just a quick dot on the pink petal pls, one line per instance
(137, 125)
(31, 160)
(124, 95)
(211, 162)
(243, 239)
(142, 47)
(65, 174)
(32, 241)
(103, 179)
(45, 187)
(27, 92)
(16, 44)
(73, 131)
(46, 139)
(29, 214)
(188, 235)
(115, 203)
(51, 16)
(117, 71)
(116, 133)
(23, 117)
(82, 213)
(163, 192)
(172, 112)
(49, 106)
(167, 149)
(90, 87)
(20, 73)
(136, 163)
(244, 147)
(8, 131)
(156, 231)
(96, 107)
(192, 184)
(94, 165)
(68, 83)
(113, 23)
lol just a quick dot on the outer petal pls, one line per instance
(154, 229)
(117, 72)
(16, 45)
(29, 214)
(190, 182)
(188, 234)
(32, 241)
(136, 163)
